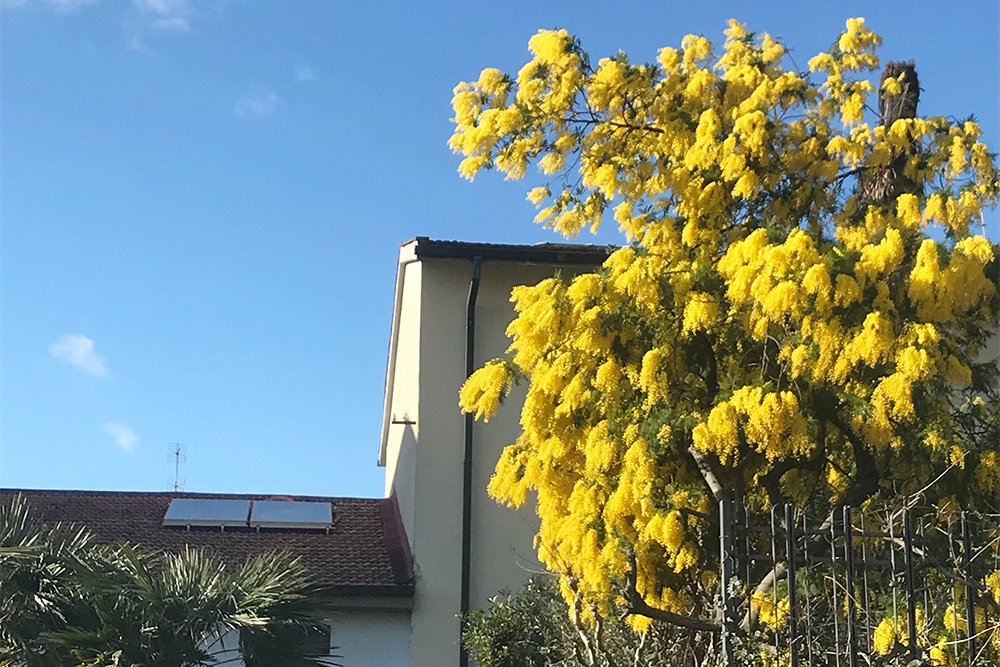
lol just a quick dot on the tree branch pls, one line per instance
(750, 618)
(776, 573)
(578, 624)
(772, 479)
(705, 468)
(638, 606)
(866, 478)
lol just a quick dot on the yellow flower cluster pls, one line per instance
(941, 294)
(701, 312)
(891, 631)
(988, 473)
(884, 636)
(770, 422)
(992, 581)
(484, 390)
(939, 654)
(763, 312)
(771, 615)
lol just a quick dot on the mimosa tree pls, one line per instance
(799, 313)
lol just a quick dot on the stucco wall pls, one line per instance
(436, 540)
(361, 637)
(400, 473)
(371, 638)
(502, 553)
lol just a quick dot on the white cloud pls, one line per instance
(123, 435)
(136, 44)
(78, 350)
(259, 102)
(162, 7)
(172, 23)
(165, 14)
(304, 73)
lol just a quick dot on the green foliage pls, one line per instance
(525, 630)
(536, 628)
(37, 589)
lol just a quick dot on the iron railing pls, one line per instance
(858, 587)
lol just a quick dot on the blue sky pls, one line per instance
(201, 204)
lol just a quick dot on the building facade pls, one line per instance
(451, 312)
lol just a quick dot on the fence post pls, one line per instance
(852, 610)
(970, 590)
(727, 567)
(911, 593)
(793, 609)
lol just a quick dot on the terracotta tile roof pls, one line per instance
(364, 553)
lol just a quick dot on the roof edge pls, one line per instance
(376, 590)
(541, 253)
(397, 545)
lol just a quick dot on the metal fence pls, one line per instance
(859, 587)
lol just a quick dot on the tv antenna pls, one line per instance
(177, 453)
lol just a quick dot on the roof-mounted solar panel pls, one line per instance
(291, 514)
(213, 512)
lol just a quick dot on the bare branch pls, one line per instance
(775, 575)
(578, 624)
(638, 606)
(705, 468)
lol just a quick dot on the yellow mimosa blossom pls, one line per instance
(771, 615)
(772, 322)
(884, 636)
(484, 390)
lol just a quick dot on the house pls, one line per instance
(405, 566)
(451, 311)
(360, 550)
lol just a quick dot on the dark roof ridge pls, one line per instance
(543, 253)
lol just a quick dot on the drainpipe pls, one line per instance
(470, 364)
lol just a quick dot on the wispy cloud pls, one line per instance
(163, 7)
(123, 435)
(78, 350)
(136, 44)
(304, 73)
(166, 14)
(172, 23)
(258, 103)
(60, 6)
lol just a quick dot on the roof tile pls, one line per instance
(365, 551)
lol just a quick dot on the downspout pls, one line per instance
(470, 365)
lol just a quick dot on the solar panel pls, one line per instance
(216, 512)
(291, 514)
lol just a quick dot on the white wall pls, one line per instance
(371, 638)
(426, 459)
(437, 536)
(400, 472)
(360, 637)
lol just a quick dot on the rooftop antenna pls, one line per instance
(177, 452)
